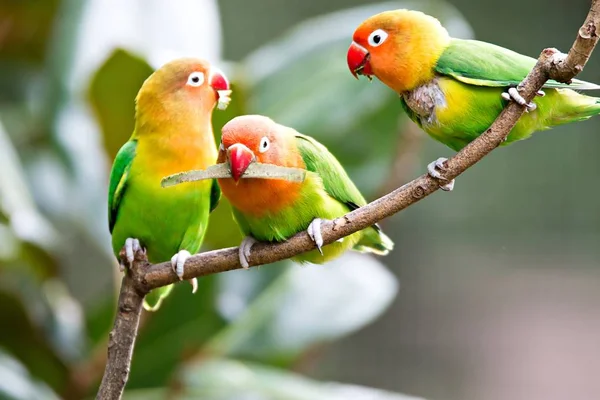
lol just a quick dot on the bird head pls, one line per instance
(254, 138)
(399, 47)
(186, 86)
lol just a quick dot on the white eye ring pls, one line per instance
(377, 37)
(264, 144)
(195, 79)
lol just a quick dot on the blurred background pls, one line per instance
(492, 291)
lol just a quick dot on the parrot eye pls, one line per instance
(195, 79)
(264, 144)
(377, 37)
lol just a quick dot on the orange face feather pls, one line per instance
(399, 47)
(254, 138)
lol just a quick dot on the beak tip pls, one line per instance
(357, 59)
(240, 157)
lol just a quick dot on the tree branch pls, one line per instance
(121, 339)
(144, 277)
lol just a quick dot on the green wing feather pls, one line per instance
(215, 195)
(484, 64)
(118, 180)
(338, 185)
(336, 181)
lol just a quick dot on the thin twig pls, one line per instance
(143, 277)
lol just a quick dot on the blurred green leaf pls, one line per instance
(302, 307)
(232, 380)
(112, 94)
(17, 384)
(302, 80)
(27, 337)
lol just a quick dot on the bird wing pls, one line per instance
(484, 64)
(336, 181)
(118, 180)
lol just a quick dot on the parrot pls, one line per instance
(173, 132)
(273, 210)
(454, 88)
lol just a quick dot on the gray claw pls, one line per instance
(513, 94)
(178, 265)
(314, 231)
(132, 246)
(434, 168)
(244, 252)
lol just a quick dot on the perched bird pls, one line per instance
(173, 132)
(274, 210)
(454, 89)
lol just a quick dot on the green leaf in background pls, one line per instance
(302, 307)
(233, 380)
(112, 94)
(27, 339)
(302, 80)
(17, 384)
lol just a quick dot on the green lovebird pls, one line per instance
(454, 89)
(173, 132)
(276, 209)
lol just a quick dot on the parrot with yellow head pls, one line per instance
(173, 132)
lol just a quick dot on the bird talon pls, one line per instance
(448, 187)
(178, 262)
(194, 283)
(314, 231)
(245, 250)
(434, 168)
(514, 95)
(132, 246)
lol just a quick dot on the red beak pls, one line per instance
(218, 81)
(240, 157)
(358, 60)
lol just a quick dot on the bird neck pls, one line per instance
(175, 141)
(258, 197)
(416, 65)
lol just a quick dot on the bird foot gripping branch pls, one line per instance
(127, 254)
(435, 170)
(512, 94)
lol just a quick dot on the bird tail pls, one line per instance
(154, 299)
(374, 241)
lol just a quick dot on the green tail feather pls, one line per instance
(154, 299)
(374, 241)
